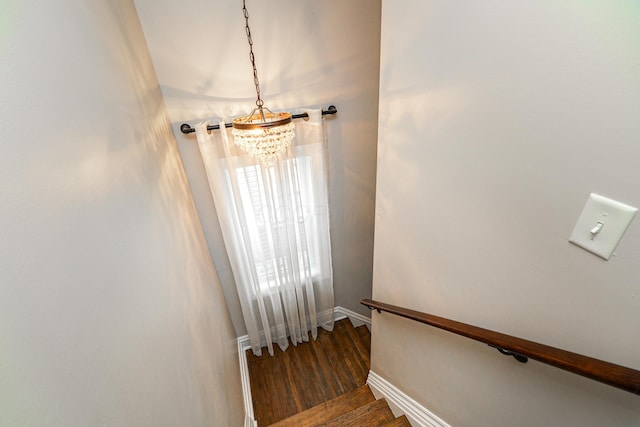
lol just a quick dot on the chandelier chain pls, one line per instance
(259, 101)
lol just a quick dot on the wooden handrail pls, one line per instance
(609, 373)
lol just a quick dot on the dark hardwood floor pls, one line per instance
(309, 374)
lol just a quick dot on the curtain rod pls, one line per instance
(186, 127)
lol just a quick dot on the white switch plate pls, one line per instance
(615, 217)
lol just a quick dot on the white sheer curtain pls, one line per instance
(275, 224)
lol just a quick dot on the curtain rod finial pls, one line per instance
(186, 128)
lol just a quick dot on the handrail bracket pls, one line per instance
(520, 358)
(372, 308)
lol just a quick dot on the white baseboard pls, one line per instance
(244, 345)
(357, 319)
(401, 404)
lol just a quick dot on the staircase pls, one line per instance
(356, 408)
(319, 383)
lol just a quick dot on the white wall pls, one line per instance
(497, 119)
(308, 54)
(110, 309)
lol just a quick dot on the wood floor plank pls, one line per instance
(324, 367)
(306, 381)
(351, 358)
(359, 347)
(268, 374)
(349, 353)
(329, 410)
(373, 414)
(286, 380)
(365, 336)
(336, 359)
(402, 421)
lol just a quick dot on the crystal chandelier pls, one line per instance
(263, 134)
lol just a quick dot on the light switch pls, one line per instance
(601, 225)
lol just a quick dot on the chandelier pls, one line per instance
(263, 134)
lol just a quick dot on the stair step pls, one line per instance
(398, 422)
(308, 374)
(372, 414)
(329, 410)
